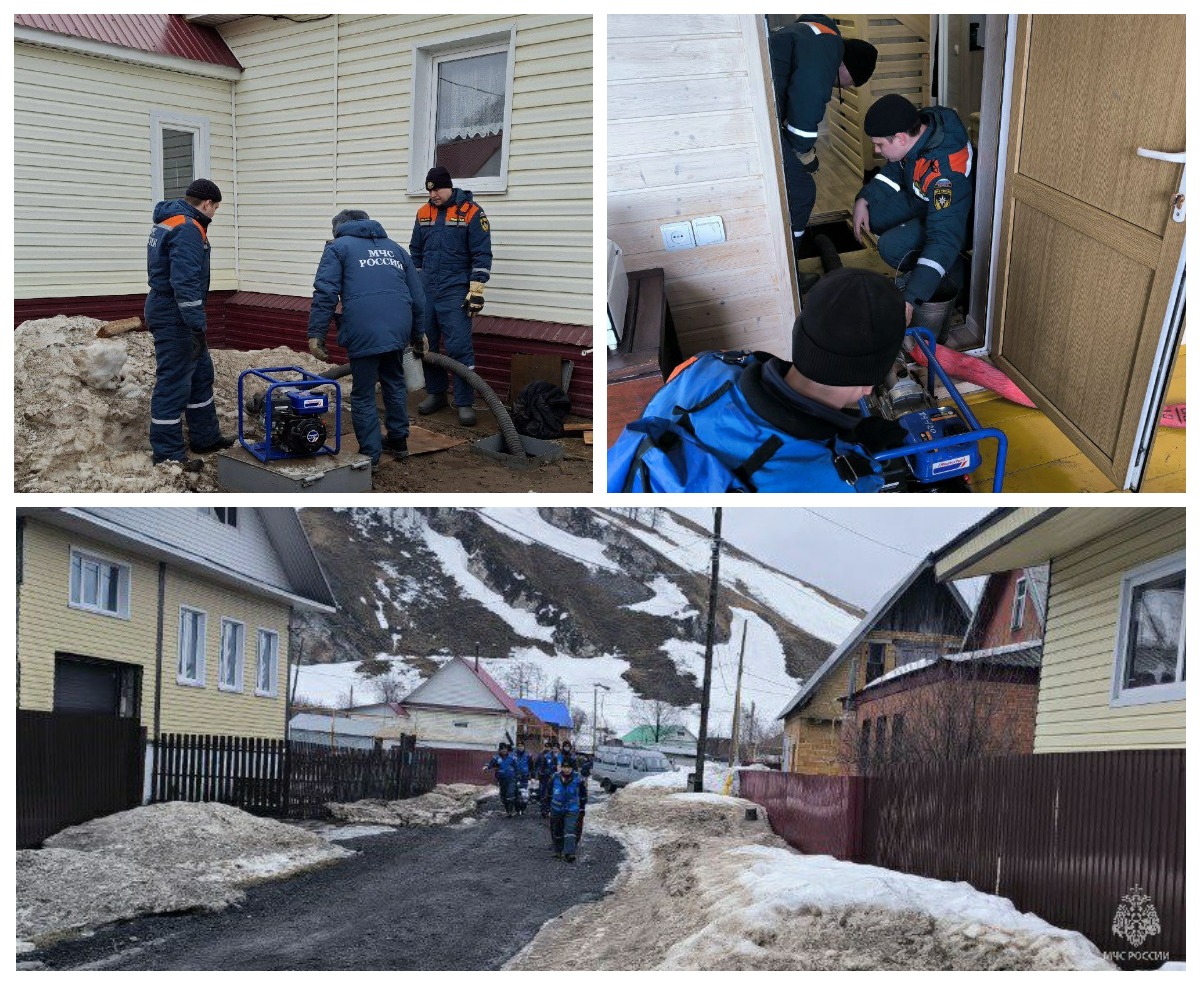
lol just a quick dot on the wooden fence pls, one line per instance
(1067, 836)
(73, 768)
(277, 778)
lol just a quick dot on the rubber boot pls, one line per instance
(466, 416)
(432, 403)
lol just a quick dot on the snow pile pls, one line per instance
(82, 408)
(706, 888)
(161, 858)
(444, 805)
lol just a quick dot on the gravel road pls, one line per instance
(463, 897)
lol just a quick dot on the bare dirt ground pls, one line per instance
(82, 413)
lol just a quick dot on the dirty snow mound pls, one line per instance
(155, 859)
(706, 888)
(82, 408)
(443, 805)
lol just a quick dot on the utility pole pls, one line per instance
(708, 649)
(735, 750)
(596, 686)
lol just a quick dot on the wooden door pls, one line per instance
(1090, 257)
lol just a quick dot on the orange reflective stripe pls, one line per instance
(690, 361)
(175, 220)
(960, 161)
(822, 29)
(426, 212)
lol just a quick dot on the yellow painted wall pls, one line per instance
(1081, 634)
(47, 625)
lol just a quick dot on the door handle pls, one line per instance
(1177, 211)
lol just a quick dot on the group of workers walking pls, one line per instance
(561, 793)
(391, 298)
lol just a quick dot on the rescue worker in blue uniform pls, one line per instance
(568, 800)
(808, 59)
(523, 762)
(755, 423)
(383, 310)
(505, 766)
(547, 764)
(177, 268)
(452, 245)
(919, 204)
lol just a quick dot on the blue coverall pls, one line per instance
(383, 308)
(568, 800)
(523, 761)
(452, 246)
(177, 269)
(805, 58)
(505, 766)
(923, 204)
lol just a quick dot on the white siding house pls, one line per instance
(326, 112)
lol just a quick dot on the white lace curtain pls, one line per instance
(470, 97)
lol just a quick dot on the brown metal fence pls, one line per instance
(462, 766)
(815, 813)
(1067, 836)
(73, 768)
(277, 778)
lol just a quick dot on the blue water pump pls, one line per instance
(293, 411)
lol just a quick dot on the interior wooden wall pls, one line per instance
(691, 132)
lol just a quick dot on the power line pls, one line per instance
(862, 534)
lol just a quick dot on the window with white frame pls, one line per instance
(462, 110)
(268, 662)
(233, 657)
(179, 153)
(226, 515)
(1150, 634)
(192, 625)
(98, 584)
(1017, 618)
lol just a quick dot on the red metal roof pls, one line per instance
(161, 34)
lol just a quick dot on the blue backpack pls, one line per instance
(683, 443)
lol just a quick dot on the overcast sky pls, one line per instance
(855, 553)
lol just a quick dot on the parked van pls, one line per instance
(616, 767)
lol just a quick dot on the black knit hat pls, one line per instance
(850, 330)
(892, 113)
(859, 59)
(203, 190)
(438, 177)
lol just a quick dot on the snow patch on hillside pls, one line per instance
(668, 601)
(456, 564)
(525, 525)
(328, 683)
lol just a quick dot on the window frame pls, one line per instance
(201, 679)
(422, 122)
(1016, 619)
(1120, 697)
(124, 584)
(261, 692)
(227, 516)
(239, 683)
(201, 143)
(867, 664)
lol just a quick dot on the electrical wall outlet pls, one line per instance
(678, 236)
(708, 230)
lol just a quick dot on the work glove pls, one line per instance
(808, 160)
(419, 346)
(473, 303)
(317, 349)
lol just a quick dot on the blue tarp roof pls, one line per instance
(552, 712)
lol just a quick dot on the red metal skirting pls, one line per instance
(462, 766)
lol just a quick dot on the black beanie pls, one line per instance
(859, 59)
(438, 177)
(204, 190)
(850, 330)
(892, 113)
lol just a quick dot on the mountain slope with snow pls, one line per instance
(585, 597)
